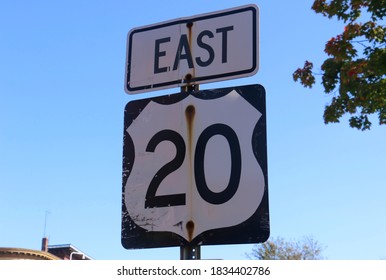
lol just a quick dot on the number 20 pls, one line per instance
(152, 200)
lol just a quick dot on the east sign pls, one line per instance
(195, 169)
(193, 50)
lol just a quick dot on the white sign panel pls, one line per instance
(192, 163)
(194, 50)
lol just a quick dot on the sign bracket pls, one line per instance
(190, 88)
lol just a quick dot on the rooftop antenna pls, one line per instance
(45, 239)
(45, 222)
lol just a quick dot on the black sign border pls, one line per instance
(254, 230)
(195, 80)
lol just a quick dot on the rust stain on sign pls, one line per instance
(190, 76)
(190, 229)
(190, 112)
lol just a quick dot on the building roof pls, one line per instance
(68, 251)
(26, 254)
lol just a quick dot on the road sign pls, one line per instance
(193, 50)
(195, 169)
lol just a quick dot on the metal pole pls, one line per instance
(190, 252)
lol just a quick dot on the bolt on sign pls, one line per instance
(193, 50)
(195, 169)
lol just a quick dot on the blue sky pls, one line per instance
(61, 127)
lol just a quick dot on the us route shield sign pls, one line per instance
(195, 169)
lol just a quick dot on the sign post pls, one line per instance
(190, 252)
(195, 162)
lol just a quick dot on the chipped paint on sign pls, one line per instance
(198, 166)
